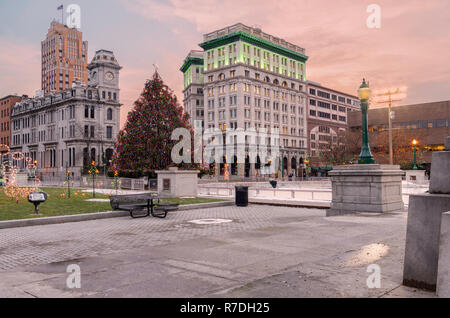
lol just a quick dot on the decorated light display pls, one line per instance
(145, 142)
(93, 171)
(12, 189)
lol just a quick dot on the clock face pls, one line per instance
(109, 76)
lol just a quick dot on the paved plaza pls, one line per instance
(265, 251)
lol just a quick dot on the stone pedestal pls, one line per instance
(440, 172)
(176, 183)
(443, 278)
(427, 234)
(422, 239)
(415, 176)
(369, 188)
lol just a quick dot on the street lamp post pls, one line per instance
(415, 142)
(366, 156)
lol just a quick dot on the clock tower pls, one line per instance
(104, 75)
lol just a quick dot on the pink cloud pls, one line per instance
(341, 48)
(20, 67)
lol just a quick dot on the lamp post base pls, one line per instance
(366, 160)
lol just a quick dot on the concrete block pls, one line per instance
(415, 176)
(443, 278)
(440, 172)
(177, 183)
(366, 188)
(422, 239)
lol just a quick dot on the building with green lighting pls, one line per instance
(245, 78)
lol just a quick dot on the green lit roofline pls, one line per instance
(251, 39)
(189, 61)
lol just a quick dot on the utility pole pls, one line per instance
(388, 96)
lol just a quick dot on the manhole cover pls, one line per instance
(210, 221)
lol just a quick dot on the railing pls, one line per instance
(268, 193)
(132, 184)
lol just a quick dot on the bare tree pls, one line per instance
(341, 149)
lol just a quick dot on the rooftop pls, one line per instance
(255, 31)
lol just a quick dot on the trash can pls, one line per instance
(241, 196)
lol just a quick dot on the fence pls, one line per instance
(265, 192)
(101, 182)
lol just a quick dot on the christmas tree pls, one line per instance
(145, 144)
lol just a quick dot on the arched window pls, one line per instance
(221, 76)
(275, 81)
(284, 84)
(267, 79)
(109, 114)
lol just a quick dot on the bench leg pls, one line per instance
(161, 216)
(138, 217)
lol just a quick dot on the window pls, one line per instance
(92, 131)
(92, 112)
(109, 132)
(109, 114)
(324, 105)
(86, 111)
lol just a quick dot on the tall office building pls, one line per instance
(246, 78)
(64, 58)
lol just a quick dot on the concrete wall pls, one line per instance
(443, 280)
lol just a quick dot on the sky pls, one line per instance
(411, 47)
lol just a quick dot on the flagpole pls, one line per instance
(62, 15)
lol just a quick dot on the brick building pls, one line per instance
(429, 123)
(327, 117)
(6, 105)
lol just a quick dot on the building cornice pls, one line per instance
(190, 60)
(254, 40)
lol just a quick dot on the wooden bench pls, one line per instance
(136, 202)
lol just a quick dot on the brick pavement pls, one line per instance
(60, 242)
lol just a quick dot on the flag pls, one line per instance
(61, 7)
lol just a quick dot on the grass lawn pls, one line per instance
(77, 204)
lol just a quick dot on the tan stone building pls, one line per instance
(64, 58)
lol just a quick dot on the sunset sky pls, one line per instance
(412, 47)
